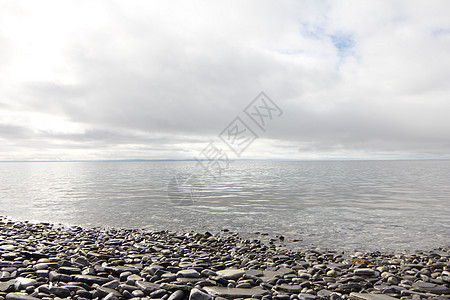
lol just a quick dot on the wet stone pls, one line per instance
(232, 274)
(22, 283)
(289, 288)
(364, 272)
(233, 293)
(60, 291)
(189, 273)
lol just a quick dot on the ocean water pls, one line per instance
(367, 205)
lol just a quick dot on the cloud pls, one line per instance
(112, 79)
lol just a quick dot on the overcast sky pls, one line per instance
(161, 79)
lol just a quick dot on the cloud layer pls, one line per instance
(122, 80)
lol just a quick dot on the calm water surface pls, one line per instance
(334, 204)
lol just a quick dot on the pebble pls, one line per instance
(51, 261)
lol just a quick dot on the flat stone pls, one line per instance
(430, 287)
(69, 270)
(285, 271)
(257, 273)
(110, 296)
(233, 293)
(364, 272)
(361, 296)
(7, 285)
(324, 293)
(188, 280)
(60, 291)
(207, 273)
(20, 296)
(8, 247)
(106, 291)
(232, 274)
(177, 295)
(45, 266)
(289, 288)
(138, 293)
(4, 276)
(10, 255)
(90, 279)
(189, 273)
(305, 296)
(350, 287)
(174, 287)
(22, 283)
(147, 287)
(81, 260)
(196, 294)
(112, 284)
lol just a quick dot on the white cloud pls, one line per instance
(114, 79)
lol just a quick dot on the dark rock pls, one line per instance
(232, 293)
(364, 272)
(177, 295)
(60, 291)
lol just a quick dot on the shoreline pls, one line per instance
(54, 261)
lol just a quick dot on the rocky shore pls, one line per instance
(49, 261)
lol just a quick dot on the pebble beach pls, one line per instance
(54, 261)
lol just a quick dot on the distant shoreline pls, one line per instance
(238, 159)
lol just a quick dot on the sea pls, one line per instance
(348, 205)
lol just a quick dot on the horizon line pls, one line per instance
(238, 159)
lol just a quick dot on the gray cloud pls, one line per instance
(160, 81)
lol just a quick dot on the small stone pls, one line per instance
(306, 296)
(392, 280)
(81, 260)
(138, 293)
(158, 293)
(196, 294)
(20, 296)
(7, 286)
(189, 273)
(232, 293)
(60, 291)
(112, 284)
(22, 283)
(90, 279)
(289, 288)
(232, 274)
(431, 287)
(364, 272)
(69, 270)
(147, 287)
(110, 296)
(177, 295)
(361, 296)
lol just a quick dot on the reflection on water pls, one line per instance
(347, 204)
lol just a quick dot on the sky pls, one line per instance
(93, 80)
